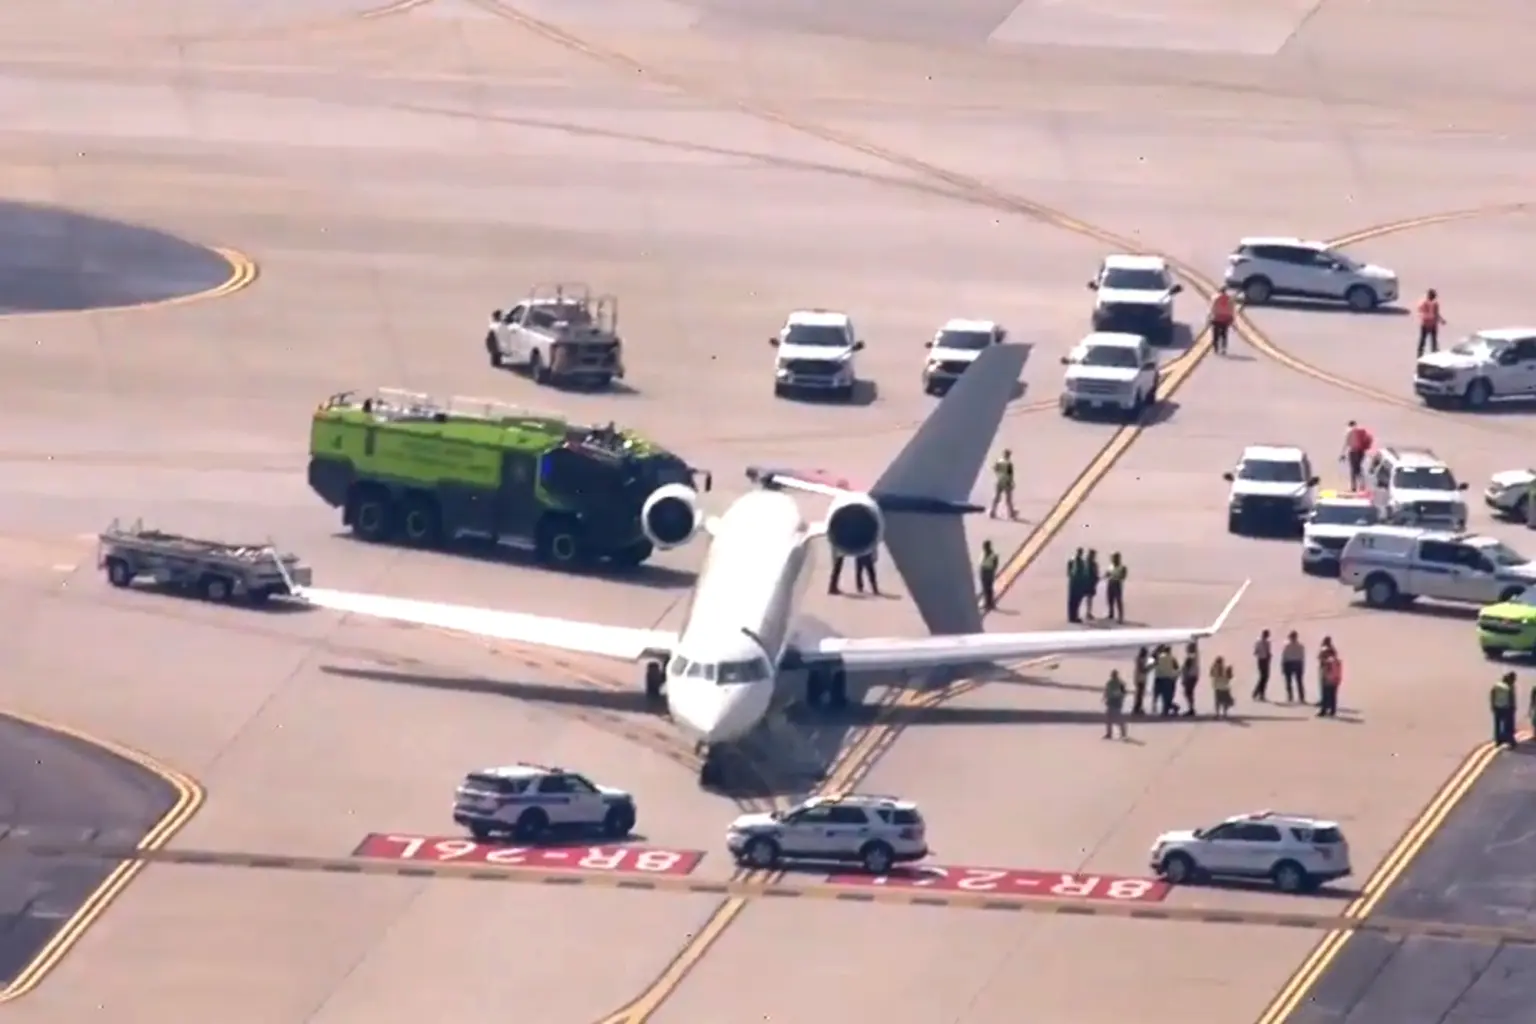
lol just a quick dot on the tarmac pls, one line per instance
(61, 789)
(379, 180)
(1475, 871)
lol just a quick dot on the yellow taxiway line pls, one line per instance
(189, 800)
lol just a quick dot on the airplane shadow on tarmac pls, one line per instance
(778, 760)
(792, 753)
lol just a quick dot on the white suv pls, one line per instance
(1416, 488)
(1498, 363)
(954, 348)
(1265, 268)
(1271, 489)
(1110, 371)
(816, 354)
(528, 801)
(1508, 493)
(1295, 851)
(1135, 294)
(874, 831)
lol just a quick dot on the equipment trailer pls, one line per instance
(214, 570)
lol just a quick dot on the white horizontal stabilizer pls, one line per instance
(621, 642)
(896, 653)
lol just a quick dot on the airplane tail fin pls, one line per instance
(928, 487)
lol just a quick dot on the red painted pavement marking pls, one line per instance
(635, 860)
(1010, 882)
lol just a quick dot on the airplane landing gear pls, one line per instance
(711, 769)
(826, 687)
(655, 682)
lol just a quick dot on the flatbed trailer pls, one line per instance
(213, 570)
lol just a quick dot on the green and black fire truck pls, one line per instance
(411, 469)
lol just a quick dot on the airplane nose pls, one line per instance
(718, 714)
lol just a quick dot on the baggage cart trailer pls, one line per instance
(213, 570)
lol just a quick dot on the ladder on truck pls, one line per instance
(396, 404)
(576, 311)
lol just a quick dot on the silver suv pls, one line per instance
(1265, 268)
(876, 832)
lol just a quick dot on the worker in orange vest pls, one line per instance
(1430, 322)
(1223, 312)
(1357, 444)
(1330, 669)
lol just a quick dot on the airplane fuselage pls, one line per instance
(759, 563)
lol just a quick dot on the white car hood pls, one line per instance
(1134, 297)
(954, 355)
(1402, 496)
(1512, 478)
(1376, 273)
(813, 352)
(1449, 360)
(1179, 836)
(1345, 530)
(748, 822)
(609, 793)
(1267, 489)
(1114, 374)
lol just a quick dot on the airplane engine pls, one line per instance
(670, 516)
(854, 525)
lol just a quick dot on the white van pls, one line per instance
(1393, 565)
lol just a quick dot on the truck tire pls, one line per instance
(373, 514)
(421, 521)
(559, 541)
(214, 588)
(119, 572)
(493, 350)
(1478, 393)
(1381, 591)
(536, 368)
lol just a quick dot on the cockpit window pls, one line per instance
(699, 670)
(753, 671)
(679, 666)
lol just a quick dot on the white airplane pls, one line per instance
(742, 634)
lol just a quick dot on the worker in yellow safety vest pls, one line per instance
(1501, 701)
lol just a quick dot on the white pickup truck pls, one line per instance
(559, 333)
(1110, 372)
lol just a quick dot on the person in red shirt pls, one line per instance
(1223, 312)
(1357, 444)
(1430, 322)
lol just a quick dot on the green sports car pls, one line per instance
(1508, 627)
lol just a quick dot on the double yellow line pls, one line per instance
(189, 800)
(1380, 883)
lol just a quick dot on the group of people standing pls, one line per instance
(1166, 676)
(1083, 579)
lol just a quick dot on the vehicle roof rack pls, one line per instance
(400, 404)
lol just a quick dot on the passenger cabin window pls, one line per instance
(1221, 832)
(811, 816)
(1525, 350)
(846, 816)
(578, 784)
(554, 785)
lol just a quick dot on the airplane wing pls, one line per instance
(895, 653)
(619, 642)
